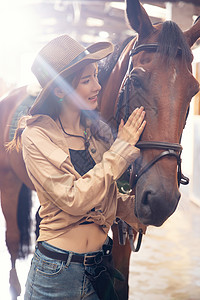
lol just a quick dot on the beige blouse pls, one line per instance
(66, 198)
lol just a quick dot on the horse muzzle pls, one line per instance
(157, 196)
(153, 206)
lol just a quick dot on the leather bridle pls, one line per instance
(170, 149)
(154, 47)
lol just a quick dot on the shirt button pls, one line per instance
(93, 150)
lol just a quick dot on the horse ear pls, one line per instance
(138, 18)
(193, 33)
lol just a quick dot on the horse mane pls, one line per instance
(170, 40)
(107, 64)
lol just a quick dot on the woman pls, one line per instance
(74, 164)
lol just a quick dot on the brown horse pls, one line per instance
(159, 78)
(14, 184)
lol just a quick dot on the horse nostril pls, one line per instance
(154, 206)
(145, 198)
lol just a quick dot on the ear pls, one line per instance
(138, 18)
(193, 33)
(59, 93)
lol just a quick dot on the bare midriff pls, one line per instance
(81, 239)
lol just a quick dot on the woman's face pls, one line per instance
(88, 88)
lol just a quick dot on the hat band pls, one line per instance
(77, 59)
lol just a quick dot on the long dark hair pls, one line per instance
(53, 107)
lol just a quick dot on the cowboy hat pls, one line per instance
(60, 58)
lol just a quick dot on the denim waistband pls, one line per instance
(88, 259)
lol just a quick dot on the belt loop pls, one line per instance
(69, 259)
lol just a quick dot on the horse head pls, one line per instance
(160, 79)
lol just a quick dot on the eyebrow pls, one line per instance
(87, 76)
(84, 77)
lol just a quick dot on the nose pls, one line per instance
(96, 86)
(156, 206)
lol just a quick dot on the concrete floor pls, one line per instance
(166, 268)
(168, 265)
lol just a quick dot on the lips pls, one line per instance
(93, 98)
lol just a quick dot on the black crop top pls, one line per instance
(82, 162)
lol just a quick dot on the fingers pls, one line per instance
(141, 128)
(134, 126)
(136, 118)
(132, 116)
(121, 125)
(139, 118)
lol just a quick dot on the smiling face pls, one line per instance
(83, 95)
(89, 87)
(78, 93)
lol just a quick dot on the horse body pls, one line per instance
(159, 78)
(10, 185)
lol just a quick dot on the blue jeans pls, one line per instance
(53, 279)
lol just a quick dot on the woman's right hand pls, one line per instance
(131, 131)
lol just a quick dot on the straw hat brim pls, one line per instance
(96, 51)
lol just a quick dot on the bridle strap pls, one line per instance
(146, 47)
(149, 47)
(171, 149)
(153, 161)
(159, 145)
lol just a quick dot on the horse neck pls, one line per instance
(8, 106)
(110, 90)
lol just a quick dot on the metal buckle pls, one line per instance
(96, 259)
(88, 257)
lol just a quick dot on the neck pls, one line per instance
(72, 134)
(71, 119)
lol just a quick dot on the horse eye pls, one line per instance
(136, 82)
